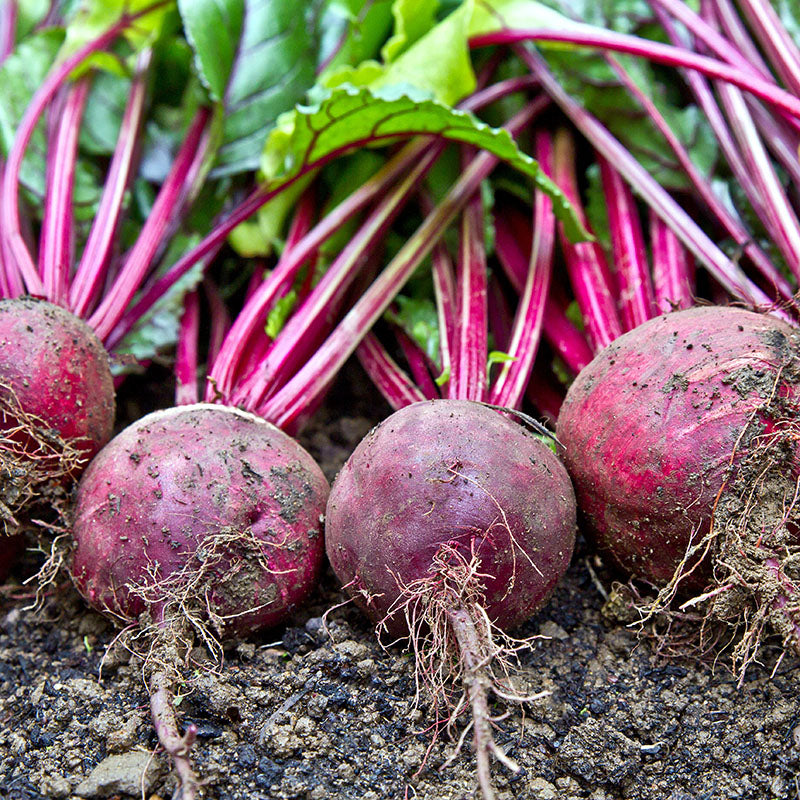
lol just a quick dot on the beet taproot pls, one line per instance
(205, 509)
(450, 525)
(56, 399)
(681, 440)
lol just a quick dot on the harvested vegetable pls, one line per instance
(681, 439)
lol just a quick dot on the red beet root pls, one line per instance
(457, 474)
(681, 440)
(56, 396)
(452, 524)
(201, 522)
(201, 508)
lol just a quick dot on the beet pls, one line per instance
(57, 398)
(680, 438)
(198, 523)
(205, 497)
(452, 524)
(455, 473)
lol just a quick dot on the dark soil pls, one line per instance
(295, 714)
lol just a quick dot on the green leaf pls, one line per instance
(279, 313)
(443, 378)
(102, 118)
(412, 20)
(29, 14)
(95, 17)
(349, 117)
(257, 60)
(352, 31)
(498, 357)
(447, 77)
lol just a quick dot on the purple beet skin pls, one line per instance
(451, 472)
(203, 491)
(655, 426)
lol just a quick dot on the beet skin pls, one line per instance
(59, 372)
(655, 426)
(451, 472)
(203, 494)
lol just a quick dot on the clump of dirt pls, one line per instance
(297, 713)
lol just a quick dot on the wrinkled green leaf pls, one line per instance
(412, 20)
(350, 117)
(448, 76)
(257, 59)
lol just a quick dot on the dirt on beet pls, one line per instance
(301, 712)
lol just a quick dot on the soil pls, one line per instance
(299, 713)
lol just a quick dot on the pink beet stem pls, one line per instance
(588, 271)
(21, 275)
(418, 363)
(509, 387)
(187, 358)
(8, 28)
(777, 216)
(166, 209)
(261, 195)
(226, 367)
(586, 36)
(313, 319)
(775, 41)
(390, 380)
(287, 407)
(635, 288)
(737, 35)
(701, 185)
(673, 269)
(57, 236)
(90, 275)
(444, 288)
(468, 376)
(727, 273)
